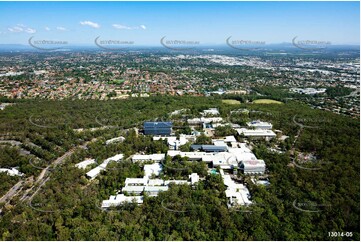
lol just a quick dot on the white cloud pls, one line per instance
(91, 24)
(30, 31)
(16, 29)
(47, 28)
(61, 28)
(22, 28)
(120, 26)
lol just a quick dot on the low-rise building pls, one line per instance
(96, 171)
(254, 167)
(115, 140)
(256, 133)
(85, 163)
(145, 158)
(257, 124)
(211, 111)
(154, 190)
(121, 199)
(11, 172)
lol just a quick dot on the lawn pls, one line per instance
(231, 101)
(266, 101)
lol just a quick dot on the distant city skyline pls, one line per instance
(209, 23)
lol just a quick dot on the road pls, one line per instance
(11, 192)
(41, 179)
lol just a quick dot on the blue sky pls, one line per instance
(146, 23)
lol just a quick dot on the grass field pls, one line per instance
(231, 101)
(266, 101)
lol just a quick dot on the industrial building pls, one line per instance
(157, 128)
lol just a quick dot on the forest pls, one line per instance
(299, 204)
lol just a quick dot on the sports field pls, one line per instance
(231, 101)
(266, 101)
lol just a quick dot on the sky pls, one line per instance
(209, 23)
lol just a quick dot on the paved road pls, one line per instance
(42, 178)
(11, 192)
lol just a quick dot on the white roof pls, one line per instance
(121, 138)
(230, 139)
(154, 157)
(224, 158)
(155, 182)
(131, 189)
(256, 132)
(120, 199)
(85, 163)
(95, 172)
(259, 124)
(219, 143)
(114, 158)
(253, 163)
(11, 172)
(205, 120)
(155, 168)
(194, 178)
(141, 181)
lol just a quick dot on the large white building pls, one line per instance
(257, 124)
(256, 133)
(254, 166)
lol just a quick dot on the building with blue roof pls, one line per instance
(157, 128)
